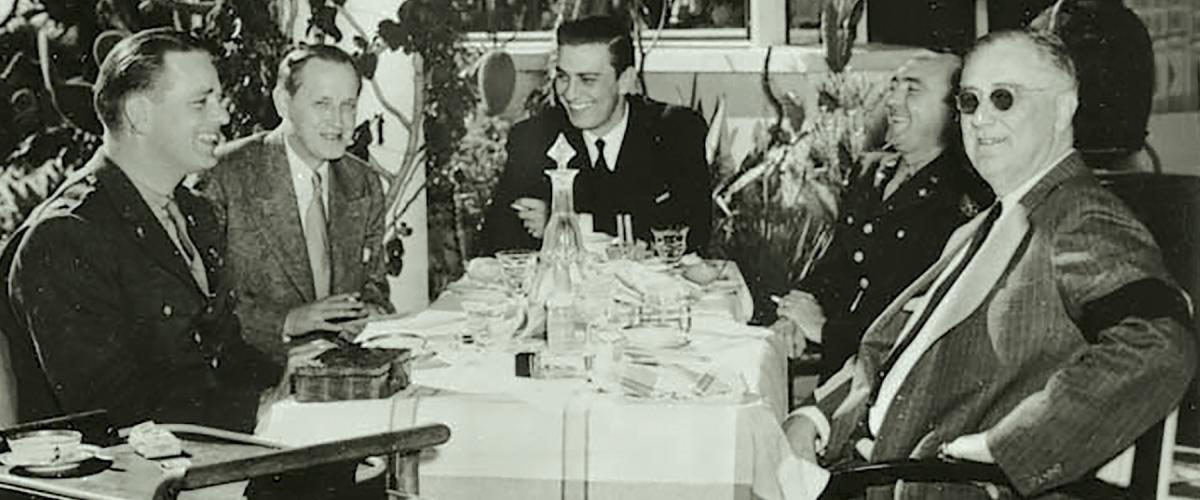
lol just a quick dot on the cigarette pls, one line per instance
(776, 299)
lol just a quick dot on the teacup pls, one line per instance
(44, 447)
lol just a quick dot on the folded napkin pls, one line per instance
(640, 280)
(427, 323)
(646, 378)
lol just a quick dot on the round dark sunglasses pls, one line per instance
(1003, 99)
(968, 100)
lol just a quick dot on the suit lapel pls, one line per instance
(278, 218)
(981, 274)
(634, 142)
(347, 224)
(141, 223)
(204, 232)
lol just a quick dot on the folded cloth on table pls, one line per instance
(427, 323)
(638, 280)
(680, 381)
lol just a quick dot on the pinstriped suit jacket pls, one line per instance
(253, 193)
(1021, 353)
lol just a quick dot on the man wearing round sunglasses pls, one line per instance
(895, 216)
(1046, 338)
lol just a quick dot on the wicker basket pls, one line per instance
(352, 373)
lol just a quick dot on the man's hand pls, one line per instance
(532, 213)
(320, 315)
(971, 447)
(787, 329)
(803, 310)
(802, 436)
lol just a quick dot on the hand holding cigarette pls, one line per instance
(532, 213)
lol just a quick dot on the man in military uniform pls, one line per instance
(895, 216)
(119, 295)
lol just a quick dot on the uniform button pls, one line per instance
(858, 256)
(849, 219)
(196, 336)
(922, 192)
(868, 228)
(167, 310)
(215, 363)
(900, 234)
(863, 282)
(208, 310)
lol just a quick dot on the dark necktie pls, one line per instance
(601, 164)
(936, 296)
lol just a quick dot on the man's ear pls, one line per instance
(627, 81)
(1066, 103)
(136, 109)
(281, 98)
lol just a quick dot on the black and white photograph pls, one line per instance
(599, 249)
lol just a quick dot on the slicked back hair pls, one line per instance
(134, 65)
(293, 62)
(1049, 46)
(605, 30)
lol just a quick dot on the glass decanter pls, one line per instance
(562, 256)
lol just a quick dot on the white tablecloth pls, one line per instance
(523, 438)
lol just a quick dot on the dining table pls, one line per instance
(516, 437)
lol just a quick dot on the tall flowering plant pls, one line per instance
(777, 208)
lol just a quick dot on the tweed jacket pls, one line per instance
(252, 190)
(1065, 343)
(879, 246)
(108, 315)
(661, 176)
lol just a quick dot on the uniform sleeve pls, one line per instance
(63, 289)
(521, 178)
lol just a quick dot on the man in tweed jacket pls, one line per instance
(1061, 341)
(260, 187)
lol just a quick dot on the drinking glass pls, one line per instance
(669, 243)
(518, 267)
(492, 318)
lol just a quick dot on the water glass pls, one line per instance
(669, 243)
(518, 266)
(492, 318)
(665, 308)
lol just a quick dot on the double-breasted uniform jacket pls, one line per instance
(661, 175)
(107, 305)
(253, 193)
(879, 246)
(1064, 341)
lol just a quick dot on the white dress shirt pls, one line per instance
(612, 141)
(302, 182)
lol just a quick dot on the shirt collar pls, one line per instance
(297, 165)
(612, 138)
(157, 200)
(1012, 198)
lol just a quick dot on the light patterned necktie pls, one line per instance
(179, 226)
(317, 240)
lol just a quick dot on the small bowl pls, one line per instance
(48, 446)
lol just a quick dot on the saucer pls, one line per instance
(86, 459)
